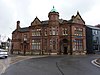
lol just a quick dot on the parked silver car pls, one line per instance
(3, 53)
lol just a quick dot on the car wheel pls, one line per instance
(5, 56)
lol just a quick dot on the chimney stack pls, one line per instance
(18, 25)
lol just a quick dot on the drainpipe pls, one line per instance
(42, 40)
(71, 40)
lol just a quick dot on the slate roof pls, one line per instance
(25, 29)
(61, 20)
(46, 21)
(93, 27)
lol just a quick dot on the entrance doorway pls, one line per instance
(65, 50)
(64, 46)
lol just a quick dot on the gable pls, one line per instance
(78, 19)
(36, 22)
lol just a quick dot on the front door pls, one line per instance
(64, 46)
(65, 50)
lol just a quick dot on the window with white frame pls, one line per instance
(36, 32)
(36, 44)
(53, 31)
(78, 31)
(25, 37)
(45, 32)
(53, 43)
(64, 31)
(95, 32)
(78, 44)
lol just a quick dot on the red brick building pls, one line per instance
(53, 35)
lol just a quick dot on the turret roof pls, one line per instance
(53, 9)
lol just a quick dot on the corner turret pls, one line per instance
(53, 15)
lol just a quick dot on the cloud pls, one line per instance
(70, 7)
(5, 18)
(27, 10)
(92, 16)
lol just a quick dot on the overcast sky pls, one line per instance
(26, 10)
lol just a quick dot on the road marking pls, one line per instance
(1, 67)
(4, 68)
(59, 68)
(94, 63)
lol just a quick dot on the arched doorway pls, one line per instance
(64, 46)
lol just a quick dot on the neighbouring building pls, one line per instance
(3, 45)
(92, 39)
(51, 36)
(97, 25)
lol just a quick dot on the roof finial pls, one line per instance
(77, 12)
(36, 16)
(53, 7)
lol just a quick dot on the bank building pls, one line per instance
(54, 35)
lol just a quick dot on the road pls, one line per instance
(55, 65)
(5, 63)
